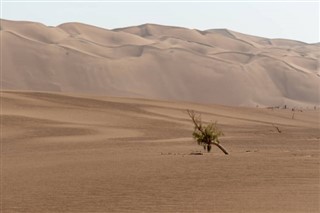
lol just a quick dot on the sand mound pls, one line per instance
(160, 62)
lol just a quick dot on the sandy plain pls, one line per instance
(75, 153)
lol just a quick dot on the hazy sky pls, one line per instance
(292, 20)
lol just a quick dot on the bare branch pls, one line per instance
(197, 122)
(277, 128)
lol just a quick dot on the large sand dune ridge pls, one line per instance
(160, 62)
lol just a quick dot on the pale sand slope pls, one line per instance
(160, 62)
(63, 153)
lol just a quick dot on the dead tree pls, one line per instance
(206, 136)
(277, 128)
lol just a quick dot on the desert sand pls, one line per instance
(217, 66)
(81, 153)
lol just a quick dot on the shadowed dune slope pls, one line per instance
(160, 62)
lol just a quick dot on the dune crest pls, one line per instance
(160, 62)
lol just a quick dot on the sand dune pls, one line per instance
(160, 62)
(72, 153)
(83, 127)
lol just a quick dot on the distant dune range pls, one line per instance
(160, 62)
